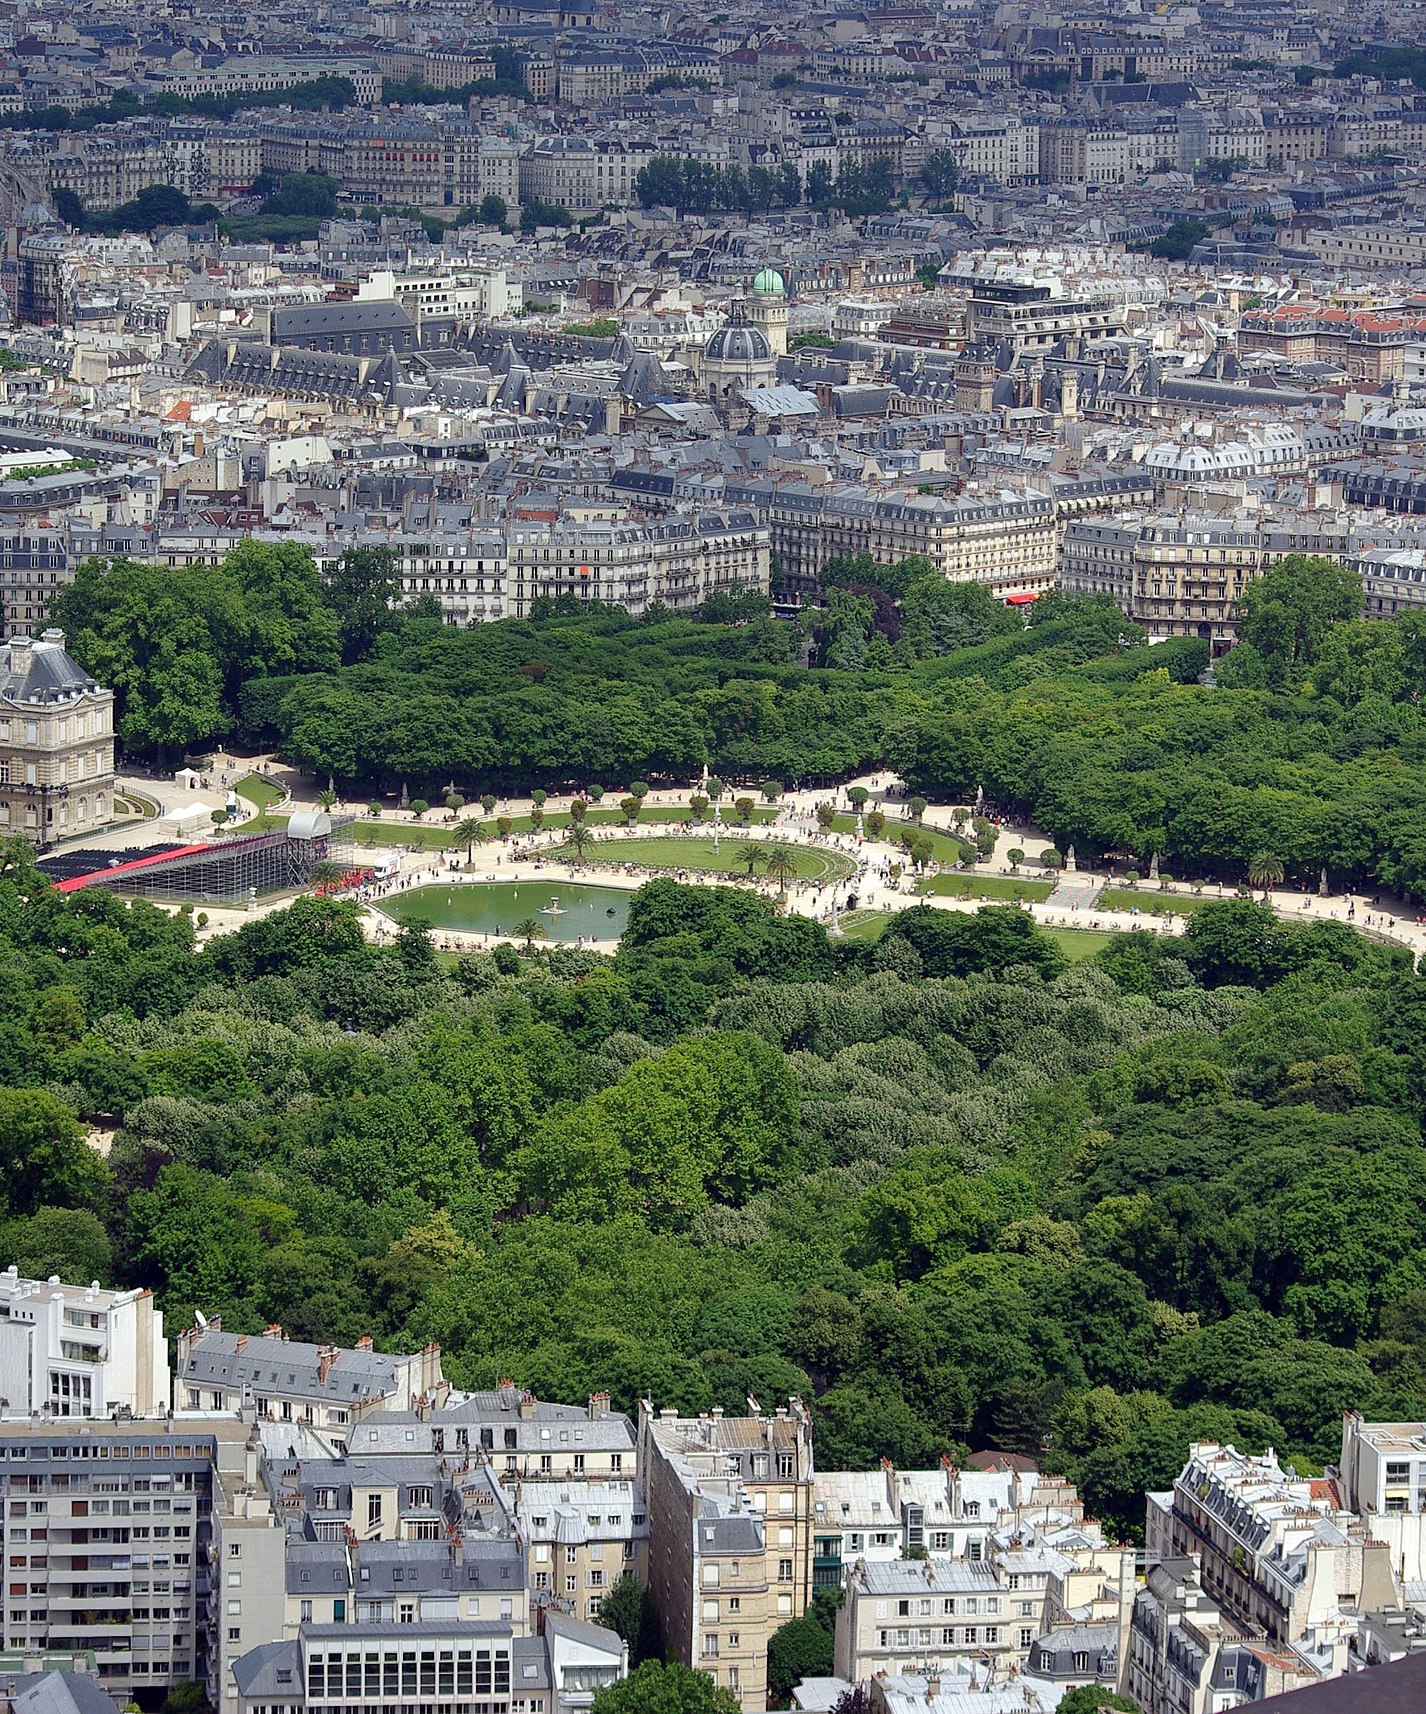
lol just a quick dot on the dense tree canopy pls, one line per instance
(949, 1189)
(1307, 747)
(946, 1189)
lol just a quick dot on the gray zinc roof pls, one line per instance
(269, 1670)
(60, 1693)
(288, 1366)
(41, 671)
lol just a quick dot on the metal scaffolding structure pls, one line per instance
(231, 871)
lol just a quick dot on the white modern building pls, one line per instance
(462, 294)
(79, 1350)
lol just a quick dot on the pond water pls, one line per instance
(495, 907)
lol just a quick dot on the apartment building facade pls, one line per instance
(516, 1435)
(1032, 319)
(1186, 1656)
(442, 67)
(581, 1537)
(1258, 1534)
(582, 174)
(1008, 541)
(1183, 575)
(359, 1540)
(1371, 345)
(928, 1617)
(56, 742)
(730, 1518)
(878, 1516)
(1383, 1466)
(1003, 147)
(461, 295)
(107, 1530)
(679, 559)
(80, 1351)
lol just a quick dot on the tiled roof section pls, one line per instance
(230, 1360)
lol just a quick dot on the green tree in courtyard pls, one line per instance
(656, 1688)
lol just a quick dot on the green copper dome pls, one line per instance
(769, 283)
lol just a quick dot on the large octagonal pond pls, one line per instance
(564, 910)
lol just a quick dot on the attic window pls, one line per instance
(530, 1670)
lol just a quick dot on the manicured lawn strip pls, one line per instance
(865, 925)
(1078, 944)
(697, 852)
(436, 835)
(945, 848)
(417, 833)
(1151, 904)
(985, 887)
(258, 791)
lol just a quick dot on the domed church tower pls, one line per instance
(767, 309)
(737, 356)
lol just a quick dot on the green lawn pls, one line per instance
(435, 835)
(258, 791)
(945, 848)
(1078, 944)
(697, 852)
(263, 822)
(865, 925)
(607, 817)
(1151, 904)
(985, 887)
